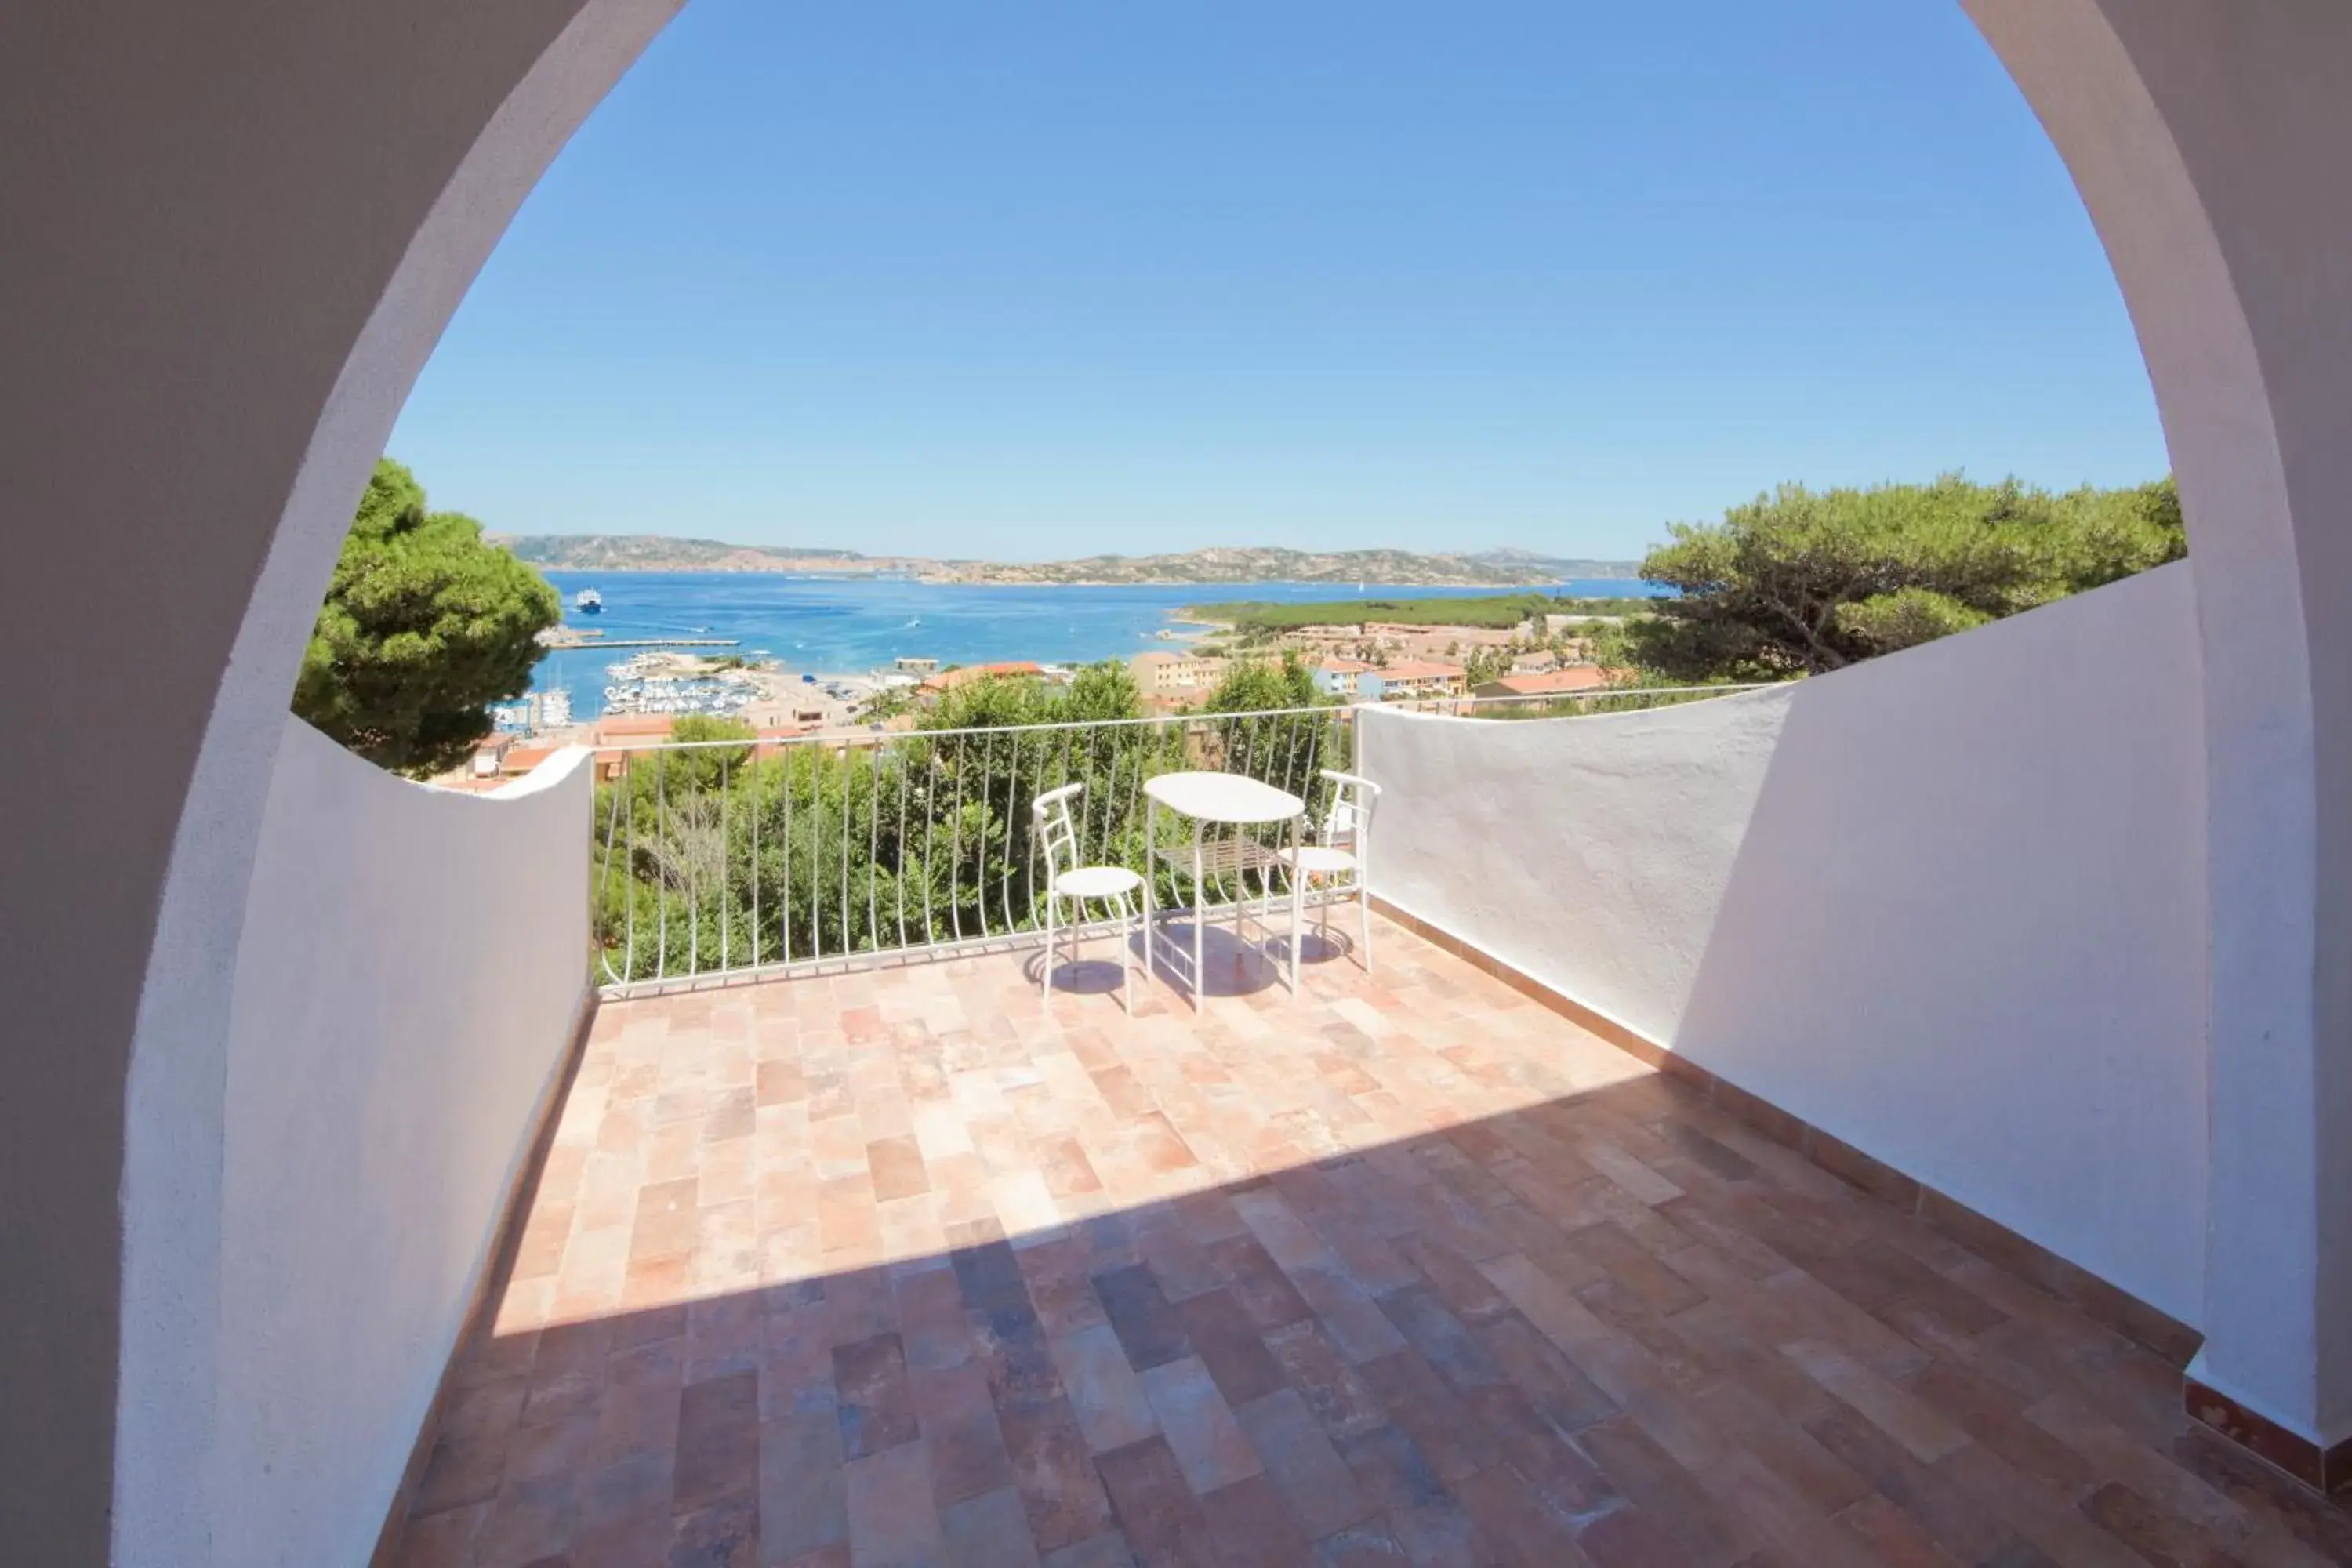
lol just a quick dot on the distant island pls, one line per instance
(1389, 568)
(659, 552)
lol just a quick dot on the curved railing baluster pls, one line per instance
(661, 836)
(873, 847)
(845, 808)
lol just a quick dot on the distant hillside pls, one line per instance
(1389, 568)
(658, 553)
(1555, 568)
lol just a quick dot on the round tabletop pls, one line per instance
(1224, 797)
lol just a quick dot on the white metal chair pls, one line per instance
(1112, 885)
(1342, 854)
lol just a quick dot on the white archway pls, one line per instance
(251, 222)
(2210, 145)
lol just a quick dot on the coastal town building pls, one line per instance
(489, 757)
(616, 735)
(1409, 678)
(1348, 678)
(621, 728)
(1358, 680)
(524, 756)
(1163, 673)
(936, 686)
(800, 715)
(911, 665)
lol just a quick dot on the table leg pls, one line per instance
(1240, 892)
(1150, 865)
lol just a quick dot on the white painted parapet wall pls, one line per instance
(411, 964)
(1948, 906)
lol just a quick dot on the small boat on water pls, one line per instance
(588, 602)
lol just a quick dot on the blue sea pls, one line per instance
(851, 625)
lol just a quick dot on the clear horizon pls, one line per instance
(1026, 285)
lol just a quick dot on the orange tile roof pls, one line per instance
(946, 679)
(1578, 678)
(616, 725)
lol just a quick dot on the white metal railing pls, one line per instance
(1571, 704)
(731, 859)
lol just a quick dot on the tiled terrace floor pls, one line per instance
(1409, 1270)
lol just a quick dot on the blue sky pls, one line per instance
(1048, 278)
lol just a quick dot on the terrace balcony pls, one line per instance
(898, 1265)
(1701, 1175)
(2035, 935)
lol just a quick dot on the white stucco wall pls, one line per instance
(411, 967)
(1948, 906)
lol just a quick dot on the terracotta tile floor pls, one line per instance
(899, 1269)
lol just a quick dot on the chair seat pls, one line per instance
(1219, 857)
(1096, 882)
(1318, 861)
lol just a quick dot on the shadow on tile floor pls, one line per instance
(906, 1268)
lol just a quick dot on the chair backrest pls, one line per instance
(1056, 833)
(1348, 823)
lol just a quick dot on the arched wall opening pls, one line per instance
(253, 223)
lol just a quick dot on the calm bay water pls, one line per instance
(848, 625)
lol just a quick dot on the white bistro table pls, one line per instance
(1234, 800)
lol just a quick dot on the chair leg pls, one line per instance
(1297, 914)
(1125, 954)
(1148, 934)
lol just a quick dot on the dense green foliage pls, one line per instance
(1259, 685)
(711, 855)
(1800, 581)
(1482, 665)
(1498, 613)
(1566, 606)
(1501, 611)
(425, 625)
